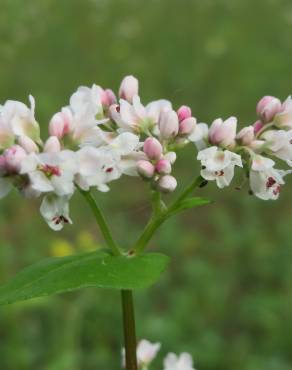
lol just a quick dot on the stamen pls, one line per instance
(219, 173)
(51, 170)
(271, 182)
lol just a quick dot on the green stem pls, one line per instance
(158, 218)
(129, 330)
(187, 191)
(126, 295)
(101, 222)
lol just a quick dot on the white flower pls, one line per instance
(146, 352)
(218, 165)
(55, 211)
(199, 136)
(223, 133)
(82, 117)
(6, 134)
(97, 167)
(20, 119)
(51, 172)
(27, 144)
(124, 144)
(87, 99)
(265, 180)
(137, 118)
(283, 119)
(279, 143)
(182, 362)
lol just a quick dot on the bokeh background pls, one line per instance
(227, 297)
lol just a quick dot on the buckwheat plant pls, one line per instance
(97, 139)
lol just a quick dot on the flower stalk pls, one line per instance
(129, 329)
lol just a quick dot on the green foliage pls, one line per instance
(97, 269)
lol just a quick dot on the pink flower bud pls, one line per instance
(52, 145)
(187, 126)
(13, 157)
(129, 88)
(27, 144)
(223, 132)
(268, 107)
(152, 148)
(61, 123)
(108, 97)
(246, 135)
(163, 167)
(167, 184)
(145, 169)
(168, 124)
(257, 126)
(184, 112)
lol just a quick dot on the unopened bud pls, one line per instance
(170, 157)
(167, 184)
(152, 148)
(168, 124)
(129, 88)
(27, 144)
(108, 97)
(187, 126)
(145, 169)
(246, 135)
(61, 123)
(52, 145)
(223, 132)
(268, 107)
(14, 157)
(184, 112)
(257, 126)
(163, 167)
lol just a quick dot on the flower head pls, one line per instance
(265, 180)
(218, 165)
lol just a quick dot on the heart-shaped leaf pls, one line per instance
(96, 269)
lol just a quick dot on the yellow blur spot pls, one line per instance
(61, 248)
(86, 241)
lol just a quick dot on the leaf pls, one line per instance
(96, 269)
(190, 203)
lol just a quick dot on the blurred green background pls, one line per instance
(227, 297)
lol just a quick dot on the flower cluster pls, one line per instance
(147, 351)
(99, 137)
(252, 148)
